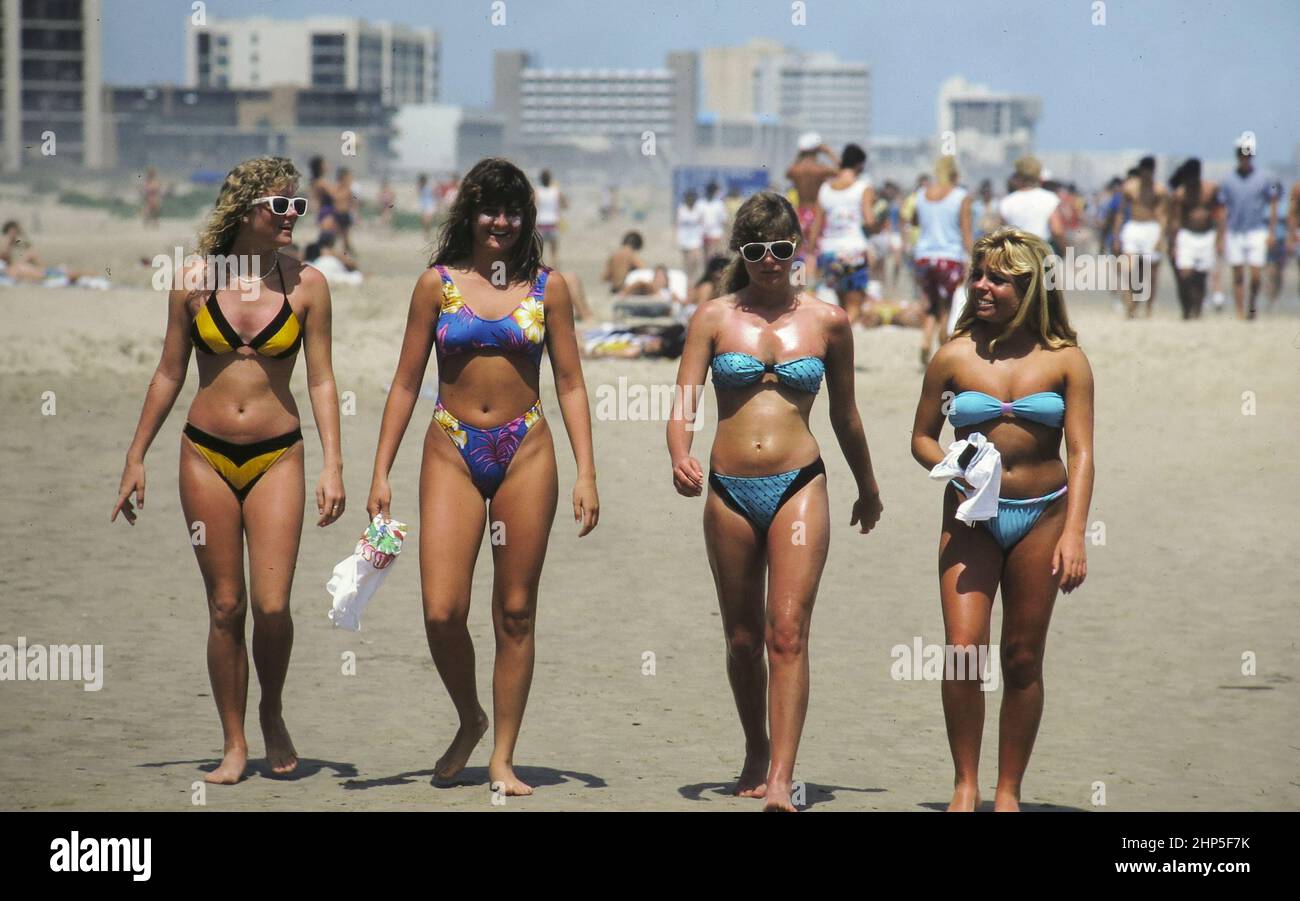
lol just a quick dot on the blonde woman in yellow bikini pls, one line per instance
(241, 457)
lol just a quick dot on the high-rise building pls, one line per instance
(816, 92)
(617, 107)
(349, 54)
(727, 77)
(988, 128)
(50, 82)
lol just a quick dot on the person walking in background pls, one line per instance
(549, 204)
(715, 220)
(844, 209)
(690, 235)
(1193, 208)
(943, 217)
(1249, 199)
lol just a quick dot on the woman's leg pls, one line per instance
(208, 503)
(452, 515)
(273, 513)
(852, 303)
(1028, 593)
(970, 562)
(520, 517)
(739, 565)
(797, 542)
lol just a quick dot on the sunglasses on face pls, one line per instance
(280, 205)
(754, 251)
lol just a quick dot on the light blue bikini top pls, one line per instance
(970, 407)
(737, 370)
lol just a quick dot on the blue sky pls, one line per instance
(1169, 76)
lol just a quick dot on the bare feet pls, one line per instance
(231, 769)
(503, 779)
(1006, 800)
(753, 775)
(965, 799)
(279, 747)
(778, 798)
(457, 754)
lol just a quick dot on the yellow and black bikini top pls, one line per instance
(213, 334)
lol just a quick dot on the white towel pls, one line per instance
(358, 577)
(983, 474)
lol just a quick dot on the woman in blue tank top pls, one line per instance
(489, 308)
(1013, 373)
(769, 344)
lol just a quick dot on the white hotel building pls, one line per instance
(350, 54)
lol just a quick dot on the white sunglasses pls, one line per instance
(280, 205)
(754, 251)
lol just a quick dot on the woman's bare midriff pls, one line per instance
(1031, 455)
(244, 397)
(762, 430)
(487, 389)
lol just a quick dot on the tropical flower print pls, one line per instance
(531, 319)
(452, 302)
(451, 425)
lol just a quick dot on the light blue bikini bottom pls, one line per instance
(1016, 516)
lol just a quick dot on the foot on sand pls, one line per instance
(965, 799)
(1006, 800)
(231, 769)
(753, 781)
(457, 754)
(280, 753)
(778, 798)
(502, 778)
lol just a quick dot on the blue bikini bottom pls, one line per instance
(1016, 516)
(757, 498)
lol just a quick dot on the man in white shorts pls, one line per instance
(1140, 236)
(1244, 228)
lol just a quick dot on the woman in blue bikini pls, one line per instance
(489, 308)
(769, 344)
(1013, 341)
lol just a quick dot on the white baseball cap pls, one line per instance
(809, 140)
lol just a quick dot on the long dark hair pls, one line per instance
(767, 216)
(492, 182)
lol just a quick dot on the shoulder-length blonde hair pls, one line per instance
(247, 181)
(1023, 258)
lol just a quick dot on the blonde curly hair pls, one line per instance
(250, 179)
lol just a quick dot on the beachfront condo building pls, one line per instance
(50, 83)
(399, 62)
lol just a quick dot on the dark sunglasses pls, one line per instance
(754, 251)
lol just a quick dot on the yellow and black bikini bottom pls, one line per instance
(241, 465)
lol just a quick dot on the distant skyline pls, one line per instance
(1172, 77)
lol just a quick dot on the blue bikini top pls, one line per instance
(737, 370)
(461, 330)
(970, 407)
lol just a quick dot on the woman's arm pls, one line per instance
(164, 388)
(846, 421)
(928, 423)
(688, 476)
(1069, 561)
(421, 319)
(571, 390)
(317, 345)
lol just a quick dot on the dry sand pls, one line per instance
(1145, 691)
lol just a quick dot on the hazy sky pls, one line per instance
(1169, 76)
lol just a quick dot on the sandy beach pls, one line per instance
(1144, 669)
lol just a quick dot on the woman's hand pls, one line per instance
(330, 499)
(1070, 561)
(586, 505)
(866, 511)
(381, 497)
(688, 477)
(132, 481)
